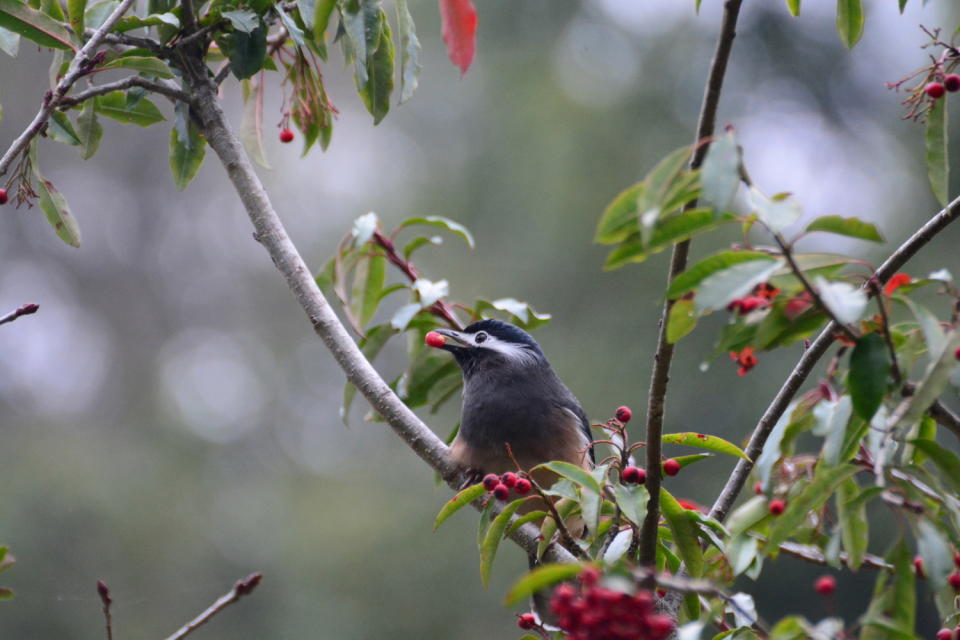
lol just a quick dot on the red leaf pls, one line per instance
(459, 31)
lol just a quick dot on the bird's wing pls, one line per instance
(576, 411)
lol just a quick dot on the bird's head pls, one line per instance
(491, 343)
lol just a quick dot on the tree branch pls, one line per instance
(240, 589)
(812, 355)
(78, 66)
(656, 397)
(25, 310)
(120, 85)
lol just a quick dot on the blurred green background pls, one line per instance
(169, 420)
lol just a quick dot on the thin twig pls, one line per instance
(240, 589)
(25, 310)
(874, 286)
(810, 289)
(127, 40)
(656, 398)
(78, 66)
(815, 556)
(199, 33)
(120, 85)
(812, 355)
(104, 592)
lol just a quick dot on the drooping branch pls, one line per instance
(241, 588)
(167, 90)
(78, 66)
(24, 310)
(812, 355)
(656, 398)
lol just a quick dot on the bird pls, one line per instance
(512, 396)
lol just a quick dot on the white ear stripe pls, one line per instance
(513, 352)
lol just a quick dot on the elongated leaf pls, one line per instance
(938, 166)
(143, 64)
(114, 105)
(651, 203)
(491, 542)
(458, 502)
(632, 501)
(703, 441)
(58, 213)
(849, 21)
(458, 20)
(409, 52)
(668, 231)
(689, 279)
(376, 91)
(934, 381)
(684, 533)
(854, 529)
(777, 212)
(246, 51)
(681, 321)
(60, 129)
(75, 10)
(686, 461)
(620, 219)
(831, 418)
(251, 127)
(441, 223)
(853, 227)
(845, 301)
(721, 172)
(89, 130)
(933, 333)
(36, 26)
(946, 461)
(572, 472)
(747, 515)
(541, 578)
(720, 288)
(869, 369)
(741, 552)
(243, 19)
(186, 156)
(322, 11)
(794, 7)
(548, 528)
(825, 481)
(531, 516)
(161, 20)
(935, 551)
(368, 286)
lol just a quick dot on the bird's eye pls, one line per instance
(480, 337)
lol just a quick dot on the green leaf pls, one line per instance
(251, 127)
(849, 21)
(681, 321)
(845, 301)
(853, 523)
(488, 549)
(938, 165)
(619, 219)
(60, 129)
(246, 51)
(935, 551)
(668, 231)
(458, 502)
(58, 213)
(660, 180)
(946, 461)
(933, 333)
(831, 418)
(522, 314)
(572, 472)
(75, 9)
(160, 20)
(703, 441)
(541, 578)
(794, 7)
(684, 533)
(548, 528)
(186, 156)
(144, 64)
(721, 172)
(869, 370)
(632, 500)
(720, 288)
(441, 223)
(97, 13)
(36, 26)
(686, 461)
(321, 18)
(409, 51)
(812, 497)
(693, 276)
(9, 44)
(89, 130)
(934, 381)
(777, 212)
(741, 552)
(369, 280)
(243, 20)
(375, 92)
(853, 227)
(114, 105)
(532, 516)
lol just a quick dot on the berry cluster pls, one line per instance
(593, 612)
(937, 89)
(745, 360)
(500, 486)
(761, 298)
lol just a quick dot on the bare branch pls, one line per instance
(656, 397)
(127, 40)
(104, 592)
(240, 589)
(25, 310)
(812, 355)
(120, 85)
(78, 66)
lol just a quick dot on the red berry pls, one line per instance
(590, 576)
(956, 354)
(671, 467)
(758, 489)
(952, 82)
(954, 580)
(522, 487)
(286, 135)
(777, 507)
(825, 585)
(641, 476)
(526, 621)
(490, 481)
(3, 196)
(509, 479)
(956, 559)
(501, 492)
(660, 625)
(944, 634)
(934, 90)
(434, 339)
(918, 567)
(624, 414)
(631, 475)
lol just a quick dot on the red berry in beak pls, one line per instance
(434, 339)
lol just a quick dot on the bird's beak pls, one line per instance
(457, 336)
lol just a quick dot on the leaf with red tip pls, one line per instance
(459, 31)
(704, 441)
